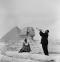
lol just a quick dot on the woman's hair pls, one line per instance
(25, 40)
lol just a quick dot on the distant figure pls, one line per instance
(26, 47)
(44, 41)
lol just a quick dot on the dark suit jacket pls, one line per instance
(44, 37)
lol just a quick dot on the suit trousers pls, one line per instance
(45, 49)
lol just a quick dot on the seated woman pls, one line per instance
(26, 47)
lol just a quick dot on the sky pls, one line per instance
(43, 14)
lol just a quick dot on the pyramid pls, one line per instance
(12, 35)
(12, 39)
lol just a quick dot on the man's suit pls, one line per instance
(44, 42)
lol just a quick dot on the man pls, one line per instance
(44, 40)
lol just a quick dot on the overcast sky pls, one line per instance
(38, 13)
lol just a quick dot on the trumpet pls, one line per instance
(38, 29)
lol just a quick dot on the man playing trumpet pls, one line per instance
(44, 40)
